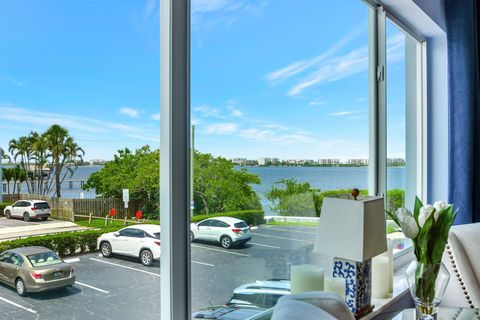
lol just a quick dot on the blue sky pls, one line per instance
(281, 79)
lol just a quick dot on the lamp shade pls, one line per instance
(352, 229)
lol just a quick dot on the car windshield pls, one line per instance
(42, 205)
(44, 259)
(241, 225)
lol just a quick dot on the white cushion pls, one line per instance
(328, 303)
(462, 259)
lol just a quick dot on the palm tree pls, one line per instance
(41, 155)
(64, 152)
(22, 148)
(8, 176)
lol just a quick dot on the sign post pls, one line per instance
(126, 198)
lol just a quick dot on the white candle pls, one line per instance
(306, 278)
(335, 285)
(380, 277)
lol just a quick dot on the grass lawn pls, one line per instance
(100, 223)
(301, 224)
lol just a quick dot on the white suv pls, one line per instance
(141, 240)
(28, 209)
(225, 230)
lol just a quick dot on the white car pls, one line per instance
(141, 240)
(260, 293)
(225, 230)
(28, 209)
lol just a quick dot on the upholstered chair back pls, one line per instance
(462, 259)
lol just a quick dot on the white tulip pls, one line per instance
(409, 227)
(402, 213)
(439, 207)
(425, 213)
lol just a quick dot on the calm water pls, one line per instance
(323, 178)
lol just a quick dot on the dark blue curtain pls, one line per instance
(463, 31)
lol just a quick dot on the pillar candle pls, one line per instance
(335, 285)
(380, 277)
(306, 278)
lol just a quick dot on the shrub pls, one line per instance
(3, 205)
(395, 199)
(251, 217)
(65, 243)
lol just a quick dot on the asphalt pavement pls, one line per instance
(122, 288)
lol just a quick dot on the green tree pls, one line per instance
(64, 153)
(139, 172)
(219, 187)
(292, 198)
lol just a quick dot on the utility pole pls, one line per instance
(192, 153)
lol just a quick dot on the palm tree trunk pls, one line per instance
(57, 180)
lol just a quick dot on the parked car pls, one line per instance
(249, 300)
(28, 209)
(260, 293)
(231, 312)
(142, 241)
(34, 269)
(225, 230)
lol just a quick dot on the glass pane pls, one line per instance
(396, 118)
(280, 109)
(79, 123)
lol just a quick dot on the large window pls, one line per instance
(287, 106)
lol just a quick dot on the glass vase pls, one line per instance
(427, 284)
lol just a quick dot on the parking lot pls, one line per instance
(122, 288)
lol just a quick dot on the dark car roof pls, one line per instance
(30, 250)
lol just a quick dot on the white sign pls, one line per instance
(126, 195)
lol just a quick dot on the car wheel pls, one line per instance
(226, 242)
(26, 216)
(44, 218)
(8, 214)
(20, 287)
(192, 236)
(106, 249)
(146, 257)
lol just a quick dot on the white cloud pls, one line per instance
(328, 68)
(41, 120)
(316, 103)
(341, 113)
(207, 111)
(334, 69)
(300, 66)
(129, 112)
(156, 116)
(221, 128)
(237, 113)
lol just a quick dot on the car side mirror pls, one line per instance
(116, 234)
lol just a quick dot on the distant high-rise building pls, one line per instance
(268, 161)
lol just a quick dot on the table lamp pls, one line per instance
(352, 230)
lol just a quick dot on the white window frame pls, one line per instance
(175, 140)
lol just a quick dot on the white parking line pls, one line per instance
(288, 230)
(18, 306)
(91, 287)
(268, 236)
(122, 266)
(203, 263)
(224, 251)
(72, 260)
(264, 245)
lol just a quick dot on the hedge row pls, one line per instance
(251, 217)
(65, 243)
(3, 205)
